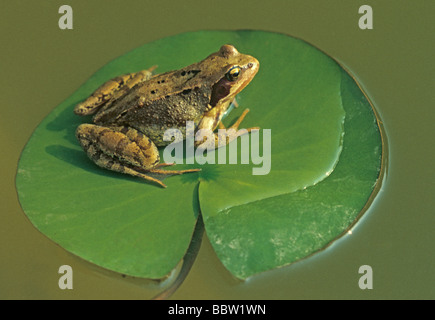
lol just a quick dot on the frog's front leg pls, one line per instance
(231, 133)
(110, 90)
(124, 150)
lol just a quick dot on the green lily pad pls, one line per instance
(261, 235)
(325, 158)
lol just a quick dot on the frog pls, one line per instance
(131, 112)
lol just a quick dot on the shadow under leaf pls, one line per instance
(79, 159)
(67, 121)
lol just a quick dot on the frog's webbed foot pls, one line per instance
(111, 90)
(236, 124)
(123, 150)
(231, 133)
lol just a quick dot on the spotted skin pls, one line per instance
(111, 91)
(123, 150)
(133, 111)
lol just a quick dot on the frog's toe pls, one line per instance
(239, 120)
(164, 165)
(173, 172)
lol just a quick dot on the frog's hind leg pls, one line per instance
(107, 162)
(112, 149)
(123, 150)
(111, 90)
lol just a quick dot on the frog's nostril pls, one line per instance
(250, 65)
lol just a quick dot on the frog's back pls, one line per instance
(154, 117)
(170, 99)
(171, 112)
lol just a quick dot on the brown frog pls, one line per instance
(133, 111)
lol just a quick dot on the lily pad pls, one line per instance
(325, 159)
(261, 235)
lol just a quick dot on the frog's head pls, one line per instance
(236, 70)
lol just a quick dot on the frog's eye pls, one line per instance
(233, 73)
